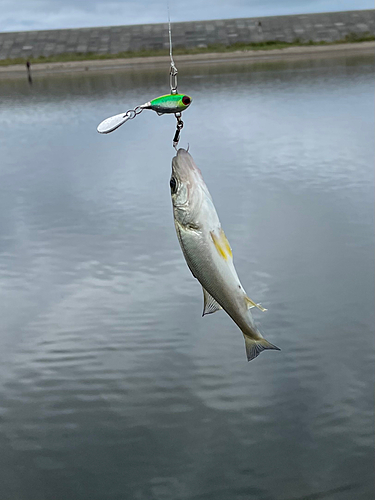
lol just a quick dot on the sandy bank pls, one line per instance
(301, 52)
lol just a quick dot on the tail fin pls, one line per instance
(255, 347)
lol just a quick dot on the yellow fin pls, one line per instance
(225, 243)
(220, 247)
(251, 303)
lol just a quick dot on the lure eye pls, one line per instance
(186, 100)
(173, 185)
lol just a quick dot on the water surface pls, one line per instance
(112, 385)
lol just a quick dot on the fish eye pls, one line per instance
(173, 185)
(186, 100)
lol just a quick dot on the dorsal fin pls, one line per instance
(210, 304)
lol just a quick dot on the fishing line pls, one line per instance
(173, 70)
(173, 83)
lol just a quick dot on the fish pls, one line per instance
(208, 253)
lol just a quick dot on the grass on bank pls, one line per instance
(267, 45)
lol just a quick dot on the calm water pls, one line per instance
(112, 385)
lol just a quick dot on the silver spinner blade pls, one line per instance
(112, 123)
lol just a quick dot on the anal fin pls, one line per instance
(251, 304)
(210, 304)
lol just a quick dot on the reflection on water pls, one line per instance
(112, 385)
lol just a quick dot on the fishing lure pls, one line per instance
(166, 104)
(170, 103)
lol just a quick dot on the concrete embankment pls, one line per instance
(328, 27)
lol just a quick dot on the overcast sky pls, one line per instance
(19, 15)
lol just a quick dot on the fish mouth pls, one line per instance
(182, 152)
(185, 168)
(178, 160)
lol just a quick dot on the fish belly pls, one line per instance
(216, 277)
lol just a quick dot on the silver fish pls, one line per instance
(207, 251)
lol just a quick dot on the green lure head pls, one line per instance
(170, 103)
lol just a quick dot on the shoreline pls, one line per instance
(248, 56)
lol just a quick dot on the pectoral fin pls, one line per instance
(251, 304)
(221, 244)
(210, 304)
